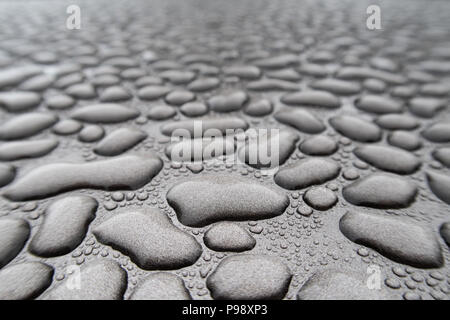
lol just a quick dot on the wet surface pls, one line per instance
(88, 178)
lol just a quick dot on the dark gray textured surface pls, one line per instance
(370, 108)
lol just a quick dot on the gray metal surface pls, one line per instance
(93, 207)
